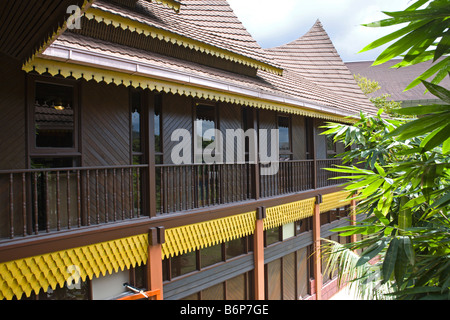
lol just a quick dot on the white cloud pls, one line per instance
(273, 23)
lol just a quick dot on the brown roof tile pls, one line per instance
(394, 81)
(314, 57)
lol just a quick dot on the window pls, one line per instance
(331, 148)
(136, 127)
(284, 127)
(53, 121)
(205, 120)
(54, 117)
(158, 130)
(53, 143)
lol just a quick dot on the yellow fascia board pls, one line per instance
(125, 23)
(65, 69)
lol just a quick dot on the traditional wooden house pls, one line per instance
(90, 194)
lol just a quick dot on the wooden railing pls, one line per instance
(38, 201)
(185, 187)
(324, 176)
(292, 176)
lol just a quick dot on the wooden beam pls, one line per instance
(317, 251)
(258, 251)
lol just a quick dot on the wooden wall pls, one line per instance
(105, 122)
(12, 119)
(176, 114)
(12, 133)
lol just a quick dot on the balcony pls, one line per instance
(44, 201)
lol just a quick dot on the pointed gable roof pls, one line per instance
(314, 57)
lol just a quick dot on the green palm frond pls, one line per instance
(365, 279)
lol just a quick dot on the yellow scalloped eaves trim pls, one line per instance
(196, 236)
(287, 213)
(335, 200)
(125, 23)
(54, 68)
(175, 5)
(24, 276)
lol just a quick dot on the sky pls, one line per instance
(276, 22)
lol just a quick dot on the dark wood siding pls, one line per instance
(12, 111)
(177, 114)
(299, 138)
(12, 136)
(105, 124)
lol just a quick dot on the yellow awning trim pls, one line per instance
(125, 23)
(28, 275)
(197, 236)
(287, 213)
(335, 200)
(54, 68)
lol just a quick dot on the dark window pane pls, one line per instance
(136, 121)
(235, 248)
(79, 291)
(54, 116)
(211, 255)
(183, 264)
(205, 120)
(272, 236)
(157, 121)
(284, 134)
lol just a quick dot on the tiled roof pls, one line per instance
(320, 79)
(314, 57)
(210, 22)
(394, 81)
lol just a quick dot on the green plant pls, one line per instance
(400, 174)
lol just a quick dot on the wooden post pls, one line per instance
(154, 260)
(258, 251)
(150, 154)
(317, 251)
(256, 192)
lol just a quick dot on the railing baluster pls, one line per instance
(105, 178)
(24, 204)
(114, 195)
(79, 198)
(130, 193)
(97, 198)
(11, 205)
(122, 192)
(68, 200)
(47, 204)
(58, 203)
(35, 197)
(88, 197)
(138, 187)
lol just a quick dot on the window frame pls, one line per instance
(44, 152)
(289, 153)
